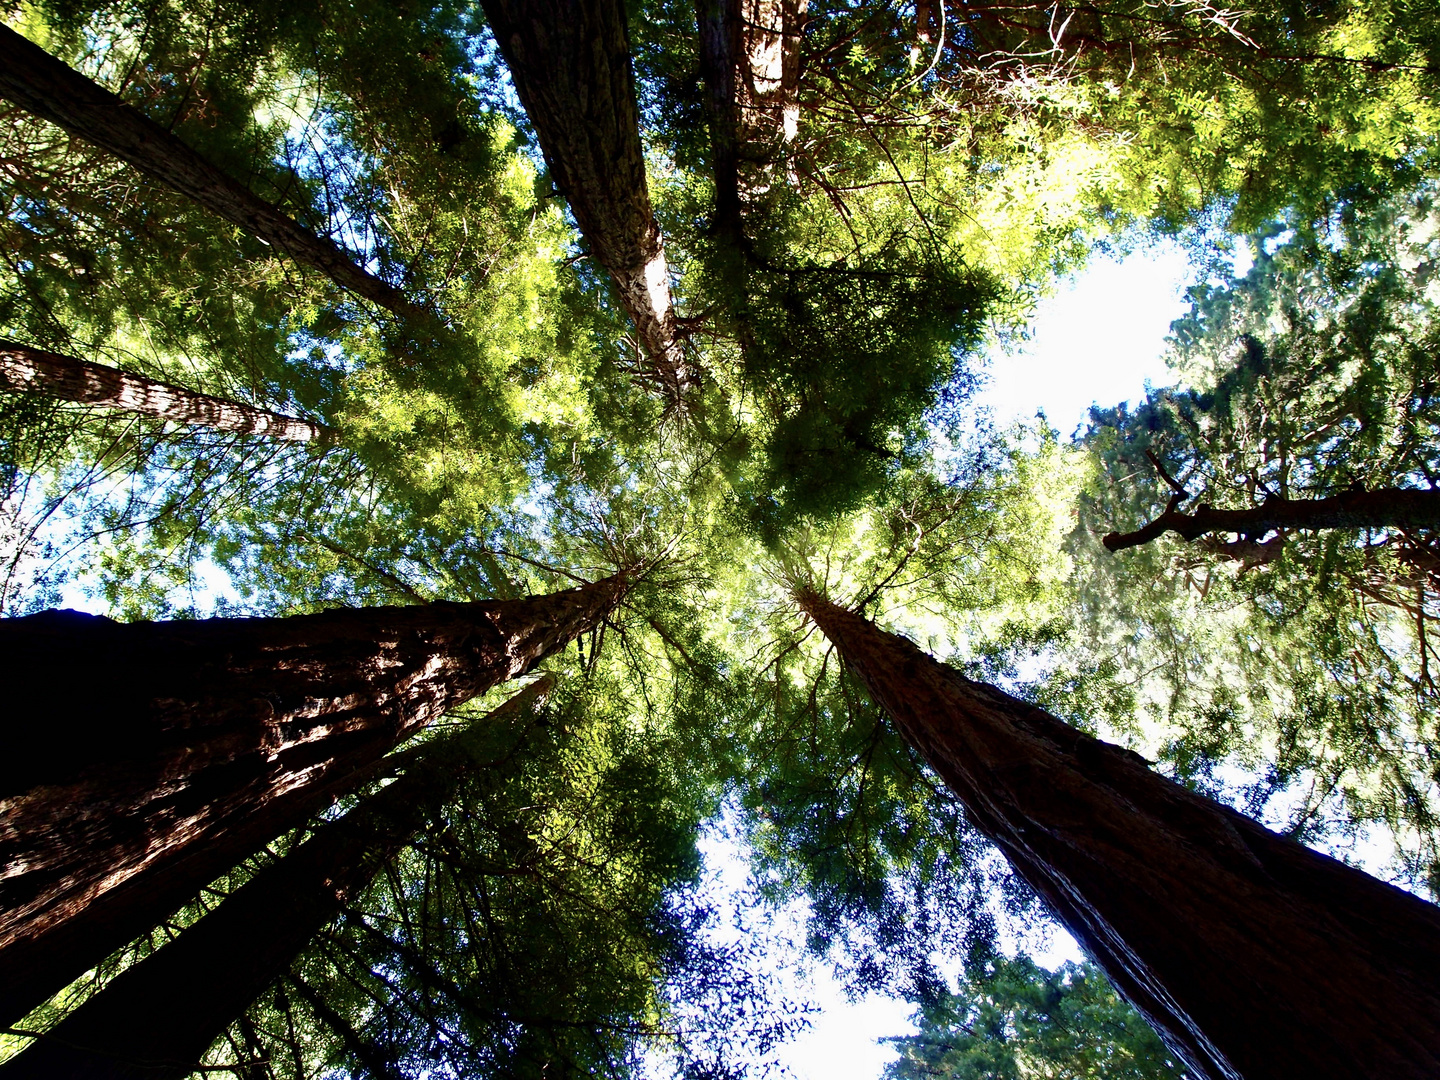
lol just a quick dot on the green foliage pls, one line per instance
(549, 919)
(1301, 660)
(1314, 371)
(438, 428)
(1007, 142)
(1269, 106)
(841, 813)
(1012, 1020)
(848, 816)
(527, 931)
(844, 362)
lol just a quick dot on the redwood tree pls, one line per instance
(1253, 955)
(35, 370)
(750, 61)
(169, 751)
(51, 90)
(570, 62)
(151, 1021)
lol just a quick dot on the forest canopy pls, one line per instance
(470, 426)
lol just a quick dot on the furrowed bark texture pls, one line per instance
(144, 760)
(718, 26)
(1383, 508)
(750, 63)
(570, 62)
(159, 1017)
(1254, 956)
(23, 369)
(53, 91)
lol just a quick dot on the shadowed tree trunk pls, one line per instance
(1383, 508)
(375, 1063)
(24, 369)
(570, 62)
(51, 90)
(169, 751)
(159, 1017)
(1254, 956)
(750, 62)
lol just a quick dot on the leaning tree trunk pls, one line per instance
(1254, 956)
(159, 1017)
(750, 63)
(30, 370)
(51, 90)
(144, 760)
(570, 62)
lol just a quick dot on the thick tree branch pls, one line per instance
(1383, 508)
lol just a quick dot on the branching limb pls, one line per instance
(1383, 508)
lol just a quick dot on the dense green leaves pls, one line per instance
(846, 362)
(527, 931)
(1300, 659)
(1011, 1019)
(947, 162)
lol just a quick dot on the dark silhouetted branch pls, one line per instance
(1383, 508)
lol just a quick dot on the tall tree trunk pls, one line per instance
(1254, 956)
(159, 1017)
(144, 760)
(768, 79)
(570, 62)
(1383, 508)
(51, 90)
(34, 370)
(750, 63)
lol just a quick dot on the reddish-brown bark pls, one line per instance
(750, 62)
(1383, 508)
(570, 62)
(30, 370)
(159, 1017)
(145, 759)
(51, 90)
(1254, 956)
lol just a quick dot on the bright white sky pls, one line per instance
(1098, 341)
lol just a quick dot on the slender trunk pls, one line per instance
(169, 751)
(25, 369)
(49, 89)
(1254, 956)
(718, 25)
(159, 1017)
(1383, 508)
(570, 62)
(376, 1065)
(767, 82)
(750, 63)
